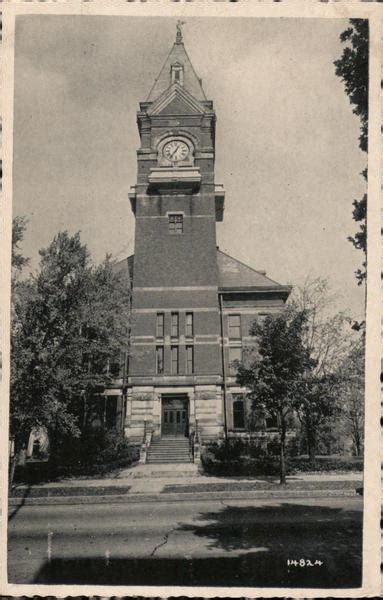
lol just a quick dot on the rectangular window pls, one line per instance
(159, 360)
(234, 327)
(174, 353)
(176, 224)
(235, 353)
(174, 325)
(177, 74)
(238, 413)
(115, 368)
(110, 412)
(160, 325)
(189, 329)
(271, 421)
(189, 360)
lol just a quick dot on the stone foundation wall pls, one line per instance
(204, 405)
(208, 412)
(140, 408)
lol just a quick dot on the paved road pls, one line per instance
(242, 543)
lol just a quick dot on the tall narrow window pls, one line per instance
(238, 414)
(271, 421)
(115, 367)
(110, 412)
(175, 361)
(159, 360)
(234, 327)
(174, 325)
(235, 354)
(189, 360)
(189, 329)
(177, 73)
(176, 224)
(160, 325)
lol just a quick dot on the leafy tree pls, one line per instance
(352, 396)
(273, 369)
(19, 261)
(327, 338)
(352, 68)
(72, 320)
(315, 403)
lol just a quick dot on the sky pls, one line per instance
(286, 141)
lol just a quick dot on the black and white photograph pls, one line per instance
(188, 291)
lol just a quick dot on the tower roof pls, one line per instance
(177, 56)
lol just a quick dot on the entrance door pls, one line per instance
(174, 417)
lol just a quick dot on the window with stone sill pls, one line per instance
(235, 354)
(189, 360)
(110, 412)
(189, 325)
(271, 422)
(113, 367)
(174, 332)
(159, 360)
(239, 414)
(160, 325)
(234, 322)
(175, 360)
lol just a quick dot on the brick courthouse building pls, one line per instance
(192, 305)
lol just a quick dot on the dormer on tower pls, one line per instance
(177, 73)
(177, 130)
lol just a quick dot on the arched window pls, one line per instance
(238, 414)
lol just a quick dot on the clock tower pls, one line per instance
(175, 360)
(192, 304)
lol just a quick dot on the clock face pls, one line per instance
(175, 150)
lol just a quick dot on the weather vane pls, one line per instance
(179, 31)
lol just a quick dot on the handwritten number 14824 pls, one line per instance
(304, 562)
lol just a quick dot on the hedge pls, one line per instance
(219, 460)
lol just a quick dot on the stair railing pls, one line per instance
(146, 441)
(196, 444)
(191, 444)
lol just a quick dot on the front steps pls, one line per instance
(168, 450)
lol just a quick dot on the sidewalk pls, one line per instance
(145, 483)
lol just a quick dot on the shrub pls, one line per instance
(95, 453)
(268, 465)
(103, 450)
(246, 457)
(238, 457)
(326, 464)
(273, 447)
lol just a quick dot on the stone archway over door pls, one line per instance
(174, 416)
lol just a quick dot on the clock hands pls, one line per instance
(173, 153)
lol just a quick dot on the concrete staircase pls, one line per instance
(168, 450)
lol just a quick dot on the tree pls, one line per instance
(74, 317)
(273, 369)
(19, 225)
(19, 293)
(315, 403)
(352, 395)
(352, 68)
(327, 338)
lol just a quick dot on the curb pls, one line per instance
(187, 496)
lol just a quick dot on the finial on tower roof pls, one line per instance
(179, 31)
